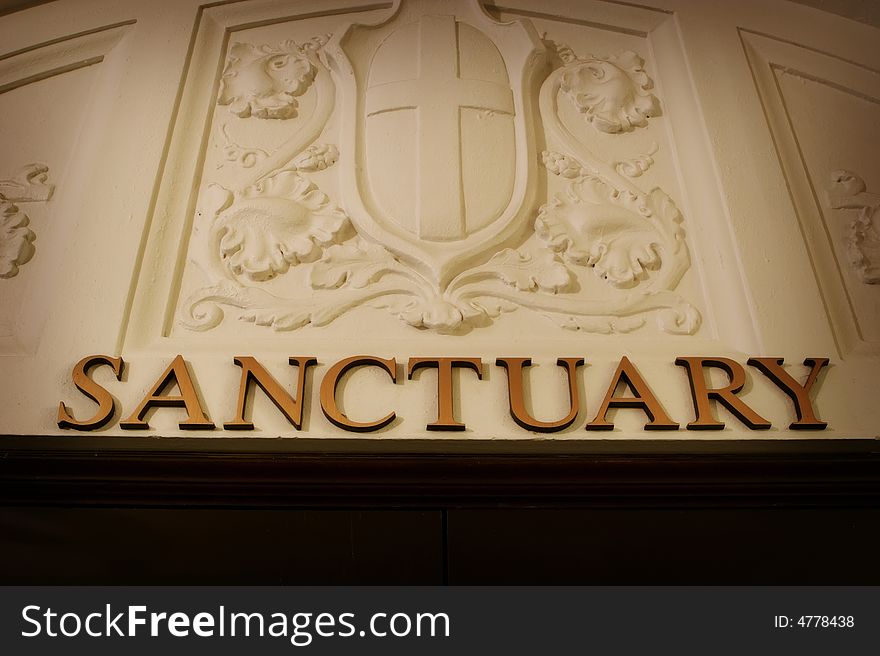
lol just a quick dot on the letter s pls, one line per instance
(92, 390)
(24, 615)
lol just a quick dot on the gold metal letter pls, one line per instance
(521, 416)
(253, 371)
(799, 394)
(643, 398)
(445, 402)
(177, 373)
(328, 392)
(726, 396)
(91, 389)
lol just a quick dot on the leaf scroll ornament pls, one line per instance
(281, 221)
(620, 233)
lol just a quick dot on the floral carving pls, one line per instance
(265, 81)
(611, 92)
(848, 191)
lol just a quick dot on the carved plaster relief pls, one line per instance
(265, 81)
(16, 237)
(847, 191)
(437, 216)
(611, 92)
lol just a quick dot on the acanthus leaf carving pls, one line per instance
(355, 264)
(848, 191)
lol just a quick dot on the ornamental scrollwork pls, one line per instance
(602, 255)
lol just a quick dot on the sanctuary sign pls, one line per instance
(626, 378)
(563, 223)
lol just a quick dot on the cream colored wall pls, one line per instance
(752, 111)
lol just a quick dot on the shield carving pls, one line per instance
(437, 157)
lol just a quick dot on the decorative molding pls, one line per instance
(530, 256)
(848, 191)
(44, 60)
(30, 184)
(265, 81)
